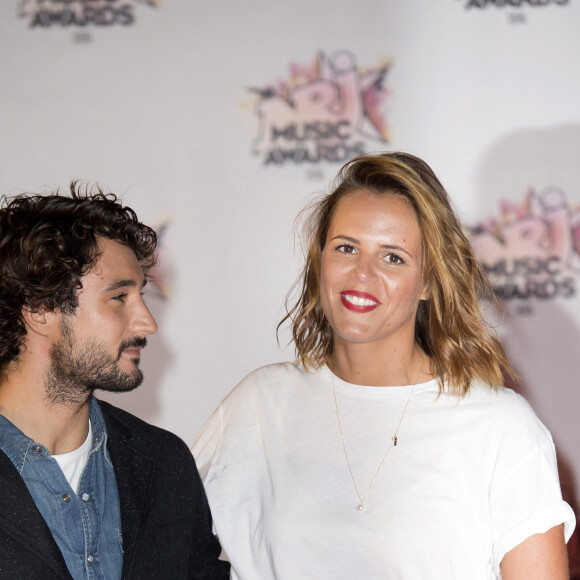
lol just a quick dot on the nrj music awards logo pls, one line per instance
(47, 13)
(533, 249)
(330, 110)
(161, 274)
(512, 3)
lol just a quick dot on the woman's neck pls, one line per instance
(361, 364)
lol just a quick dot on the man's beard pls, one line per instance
(76, 370)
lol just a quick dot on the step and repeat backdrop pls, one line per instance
(217, 122)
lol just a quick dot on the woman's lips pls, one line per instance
(358, 301)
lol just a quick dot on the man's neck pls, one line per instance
(60, 428)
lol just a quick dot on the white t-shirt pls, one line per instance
(73, 463)
(469, 479)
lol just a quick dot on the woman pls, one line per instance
(389, 450)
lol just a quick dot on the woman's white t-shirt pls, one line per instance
(469, 479)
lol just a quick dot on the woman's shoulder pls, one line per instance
(501, 398)
(508, 411)
(273, 371)
(271, 381)
(277, 374)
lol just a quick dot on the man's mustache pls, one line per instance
(140, 342)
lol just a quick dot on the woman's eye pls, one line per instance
(394, 259)
(346, 249)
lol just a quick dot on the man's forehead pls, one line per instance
(116, 266)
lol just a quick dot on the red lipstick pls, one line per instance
(358, 301)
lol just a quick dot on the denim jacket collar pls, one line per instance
(17, 445)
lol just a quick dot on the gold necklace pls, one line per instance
(392, 443)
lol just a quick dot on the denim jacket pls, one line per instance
(86, 526)
(165, 517)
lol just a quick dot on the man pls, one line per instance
(87, 491)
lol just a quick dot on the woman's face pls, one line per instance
(371, 273)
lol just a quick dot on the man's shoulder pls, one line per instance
(125, 427)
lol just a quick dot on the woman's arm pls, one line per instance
(540, 557)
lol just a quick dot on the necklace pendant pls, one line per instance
(394, 439)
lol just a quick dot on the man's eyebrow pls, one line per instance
(128, 283)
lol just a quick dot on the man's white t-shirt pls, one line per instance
(469, 479)
(73, 463)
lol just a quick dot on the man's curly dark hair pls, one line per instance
(48, 243)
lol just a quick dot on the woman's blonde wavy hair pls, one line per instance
(449, 327)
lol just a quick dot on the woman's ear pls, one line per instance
(426, 293)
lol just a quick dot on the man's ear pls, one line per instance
(40, 320)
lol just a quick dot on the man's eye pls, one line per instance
(120, 297)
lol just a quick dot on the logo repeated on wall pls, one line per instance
(329, 111)
(533, 249)
(512, 3)
(160, 275)
(516, 10)
(80, 13)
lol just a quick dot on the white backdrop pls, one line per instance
(172, 103)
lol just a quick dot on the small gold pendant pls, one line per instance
(360, 507)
